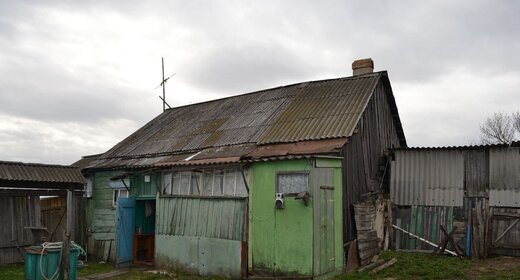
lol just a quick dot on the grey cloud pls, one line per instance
(41, 89)
(248, 67)
(232, 47)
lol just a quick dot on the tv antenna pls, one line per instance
(163, 84)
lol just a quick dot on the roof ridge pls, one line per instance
(357, 77)
(34, 164)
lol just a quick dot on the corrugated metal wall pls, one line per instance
(427, 177)
(221, 218)
(476, 172)
(504, 168)
(482, 172)
(15, 214)
(504, 165)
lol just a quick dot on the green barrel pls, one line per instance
(49, 264)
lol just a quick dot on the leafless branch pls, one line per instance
(498, 129)
(516, 121)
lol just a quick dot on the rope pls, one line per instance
(50, 245)
(56, 245)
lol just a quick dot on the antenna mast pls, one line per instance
(163, 84)
(163, 87)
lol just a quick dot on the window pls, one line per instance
(118, 193)
(209, 182)
(292, 182)
(88, 187)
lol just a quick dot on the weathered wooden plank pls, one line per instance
(413, 226)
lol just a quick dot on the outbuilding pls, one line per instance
(23, 225)
(471, 190)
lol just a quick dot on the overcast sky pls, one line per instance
(76, 77)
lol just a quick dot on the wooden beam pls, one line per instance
(507, 230)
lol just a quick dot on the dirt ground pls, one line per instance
(501, 267)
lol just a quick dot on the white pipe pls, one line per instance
(424, 240)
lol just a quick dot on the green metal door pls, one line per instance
(323, 188)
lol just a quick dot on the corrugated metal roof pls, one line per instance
(307, 111)
(43, 173)
(433, 178)
(85, 161)
(466, 147)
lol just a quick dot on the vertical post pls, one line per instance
(163, 88)
(66, 242)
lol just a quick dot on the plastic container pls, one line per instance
(50, 263)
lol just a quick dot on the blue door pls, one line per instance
(125, 227)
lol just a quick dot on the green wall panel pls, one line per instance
(141, 189)
(199, 255)
(203, 217)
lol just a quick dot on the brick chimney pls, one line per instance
(362, 66)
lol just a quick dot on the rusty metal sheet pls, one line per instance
(225, 160)
(299, 148)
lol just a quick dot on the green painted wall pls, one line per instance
(199, 255)
(141, 189)
(282, 242)
(101, 217)
(221, 218)
(143, 192)
(203, 236)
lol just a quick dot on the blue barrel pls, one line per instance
(50, 263)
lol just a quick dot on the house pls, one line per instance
(24, 222)
(259, 184)
(473, 190)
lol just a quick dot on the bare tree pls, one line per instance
(499, 128)
(516, 121)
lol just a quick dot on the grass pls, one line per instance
(430, 266)
(93, 268)
(142, 275)
(408, 266)
(12, 271)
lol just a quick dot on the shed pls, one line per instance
(475, 189)
(260, 184)
(21, 185)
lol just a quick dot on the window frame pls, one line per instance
(292, 173)
(229, 178)
(118, 191)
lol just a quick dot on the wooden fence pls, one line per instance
(17, 214)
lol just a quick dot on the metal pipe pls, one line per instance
(424, 240)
